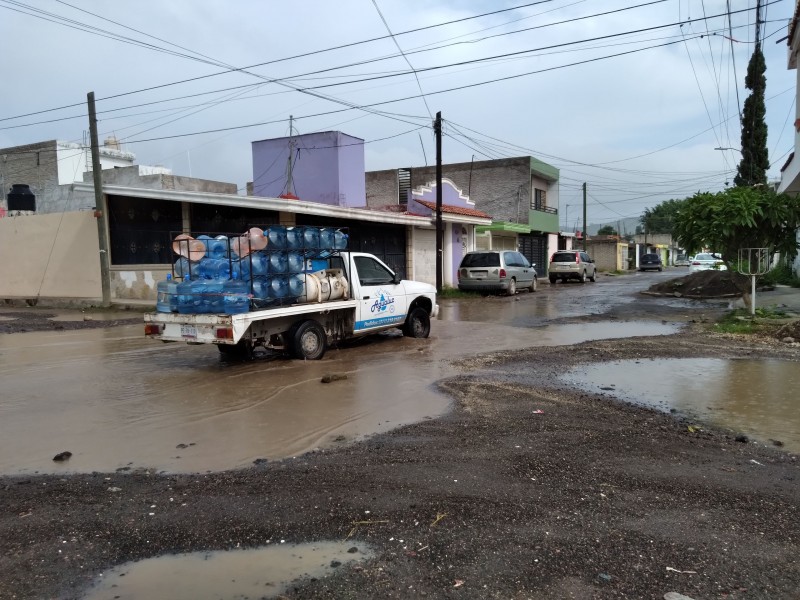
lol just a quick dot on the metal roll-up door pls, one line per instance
(534, 248)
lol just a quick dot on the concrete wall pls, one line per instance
(50, 256)
(502, 188)
(327, 167)
(608, 255)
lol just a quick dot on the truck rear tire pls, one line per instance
(418, 323)
(309, 340)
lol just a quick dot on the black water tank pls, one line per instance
(21, 198)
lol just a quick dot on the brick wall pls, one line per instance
(33, 164)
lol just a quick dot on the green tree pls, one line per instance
(660, 218)
(607, 230)
(755, 158)
(740, 217)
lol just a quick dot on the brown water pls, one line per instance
(225, 575)
(757, 397)
(117, 400)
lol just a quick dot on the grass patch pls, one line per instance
(742, 322)
(781, 274)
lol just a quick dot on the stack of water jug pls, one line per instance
(258, 269)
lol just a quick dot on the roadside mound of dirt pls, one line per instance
(791, 330)
(702, 284)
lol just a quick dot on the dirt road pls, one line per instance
(526, 489)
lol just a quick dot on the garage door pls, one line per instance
(534, 248)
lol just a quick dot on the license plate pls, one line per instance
(188, 331)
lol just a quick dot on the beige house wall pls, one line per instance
(50, 256)
(609, 256)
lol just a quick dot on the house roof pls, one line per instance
(455, 210)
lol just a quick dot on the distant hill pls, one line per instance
(622, 226)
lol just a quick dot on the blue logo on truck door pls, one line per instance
(383, 303)
(382, 308)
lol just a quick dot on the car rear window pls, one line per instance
(650, 258)
(564, 257)
(481, 259)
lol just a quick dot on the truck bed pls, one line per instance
(206, 328)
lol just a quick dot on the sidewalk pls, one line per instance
(782, 296)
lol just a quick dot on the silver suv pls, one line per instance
(572, 264)
(496, 270)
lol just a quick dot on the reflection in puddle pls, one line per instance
(118, 401)
(225, 575)
(758, 397)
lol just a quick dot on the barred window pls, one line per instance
(539, 200)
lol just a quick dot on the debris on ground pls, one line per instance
(702, 284)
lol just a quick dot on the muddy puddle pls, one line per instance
(756, 397)
(225, 575)
(118, 401)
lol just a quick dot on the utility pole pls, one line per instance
(437, 131)
(99, 202)
(584, 216)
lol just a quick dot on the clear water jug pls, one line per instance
(167, 295)
(205, 239)
(183, 268)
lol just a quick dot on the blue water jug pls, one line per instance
(278, 262)
(185, 292)
(278, 286)
(295, 262)
(205, 239)
(235, 297)
(215, 268)
(311, 238)
(218, 247)
(297, 286)
(213, 295)
(167, 295)
(340, 240)
(276, 237)
(294, 238)
(260, 288)
(183, 267)
(327, 238)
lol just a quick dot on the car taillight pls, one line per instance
(578, 258)
(695, 263)
(502, 273)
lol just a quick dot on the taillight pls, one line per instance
(695, 263)
(152, 329)
(578, 258)
(502, 273)
(223, 333)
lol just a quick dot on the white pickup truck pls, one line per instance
(374, 298)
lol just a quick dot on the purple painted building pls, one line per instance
(327, 167)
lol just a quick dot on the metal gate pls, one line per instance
(534, 248)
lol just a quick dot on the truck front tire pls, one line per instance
(309, 341)
(418, 323)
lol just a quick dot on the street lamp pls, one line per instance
(737, 150)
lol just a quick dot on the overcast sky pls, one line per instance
(538, 78)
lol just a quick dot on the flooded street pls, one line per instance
(757, 397)
(119, 401)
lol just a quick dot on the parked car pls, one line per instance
(650, 261)
(682, 261)
(705, 261)
(572, 264)
(496, 271)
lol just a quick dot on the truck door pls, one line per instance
(382, 302)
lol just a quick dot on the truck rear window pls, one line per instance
(482, 259)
